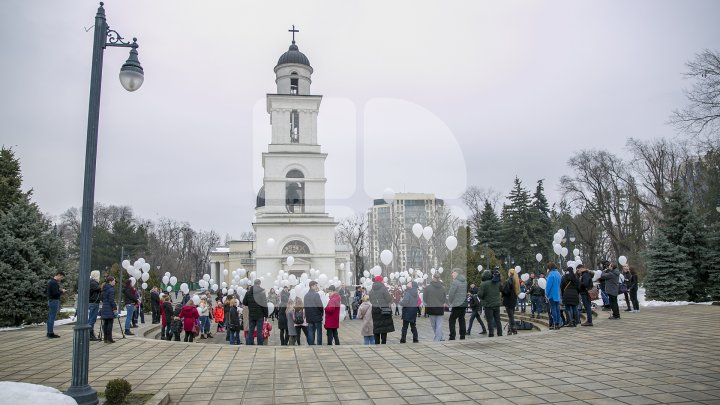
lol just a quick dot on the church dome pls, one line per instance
(293, 55)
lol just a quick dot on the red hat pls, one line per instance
(378, 279)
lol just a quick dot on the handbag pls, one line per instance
(385, 311)
(593, 293)
(196, 329)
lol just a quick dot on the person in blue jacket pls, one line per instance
(552, 293)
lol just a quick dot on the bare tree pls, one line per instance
(474, 199)
(700, 118)
(605, 191)
(353, 232)
(658, 164)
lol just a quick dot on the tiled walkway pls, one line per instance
(661, 355)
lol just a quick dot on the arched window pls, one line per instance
(294, 126)
(296, 247)
(294, 83)
(295, 192)
(260, 201)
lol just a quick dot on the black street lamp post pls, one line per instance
(131, 78)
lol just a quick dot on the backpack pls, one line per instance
(522, 325)
(298, 318)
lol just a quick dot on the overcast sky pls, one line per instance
(418, 96)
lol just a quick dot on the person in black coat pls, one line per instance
(109, 309)
(475, 309)
(435, 303)
(585, 283)
(381, 299)
(409, 311)
(314, 314)
(94, 299)
(570, 290)
(155, 304)
(256, 302)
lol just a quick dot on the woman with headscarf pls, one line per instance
(381, 299)
(510, 292)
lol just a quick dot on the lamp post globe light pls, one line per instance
(131, 78)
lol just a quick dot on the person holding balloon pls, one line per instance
(611, 276)
(130, 301)
(571, 296)
(586, 284)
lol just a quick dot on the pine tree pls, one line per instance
(488, 232)
(680, 228)
(30, 251)
(515, 233)
(540, 222)
(711, 260)
(668, 266)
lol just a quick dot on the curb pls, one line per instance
(161, 398)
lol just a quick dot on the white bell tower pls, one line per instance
(290, 206)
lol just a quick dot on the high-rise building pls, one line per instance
(390, 227)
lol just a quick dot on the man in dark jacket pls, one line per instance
(611, 276)
(475, 309)
(586, 284)
(489, 294)
(155, 304)
(409, 311)
(435, 303)
(314, 314)
(54, 292)
(94, 298)
(256, 302)
(130, 298)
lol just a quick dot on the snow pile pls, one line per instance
(24, 393)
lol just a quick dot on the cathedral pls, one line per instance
(290, 208)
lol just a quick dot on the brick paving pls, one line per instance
(660, 355)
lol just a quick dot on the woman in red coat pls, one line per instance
(189, 315)
(332, 316)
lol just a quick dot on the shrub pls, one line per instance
(117, 390)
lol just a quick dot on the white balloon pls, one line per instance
(557, 249)
(401, 280)
(571, 263)
(126, 264)
(451, 242)
(184, 286)
(598, 274)
(376, 271)
(576, 252)
(231, 291)
(173, 280)
(542, 283)
(145, 277)
(366, 273)
(389, 195)
(525, 277)
(557, 238)
(386, 257)
(427, 233)
(223, 284)
(561, 232)
(202, 283)
(167, 273)
(622, 260)
(518, 269)
(440, 270)
(146, 267)
(343, 312)
(479, 267)
(144, 286)
(564, 252)
(521, 295)
(141, 261)
(165, 280)
(290, 261)
(206, 277)
(241, 273)
(225, 272)
(215, 287)
(132, 280)
(271, 307)
(432, 271)
(169, 289)
(538, 257)
(196, 299)
(385, 279)
(417, 230)
(323, 279)
(224, 290)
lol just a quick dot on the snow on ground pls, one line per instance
(12, 393)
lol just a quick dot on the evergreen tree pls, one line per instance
(488, 232)
(679, 232)
(516, 223)
(711, 260)
(30, 251)
(540, 223)
(668, 267)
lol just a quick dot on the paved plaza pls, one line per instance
(661, 355)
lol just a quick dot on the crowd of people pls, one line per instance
(562, 297)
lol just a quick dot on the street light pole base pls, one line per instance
(83, 395)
